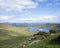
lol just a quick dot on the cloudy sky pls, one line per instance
(30, 11)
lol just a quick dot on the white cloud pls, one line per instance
(17, 5)
(40, 18)
(31, 19)
(5, 17)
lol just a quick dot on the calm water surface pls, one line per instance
(40, 29)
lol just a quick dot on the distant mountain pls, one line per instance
(19, 24)
(26, 24)
(40, 25)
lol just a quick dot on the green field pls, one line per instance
(13, 37)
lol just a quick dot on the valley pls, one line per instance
(12, 36)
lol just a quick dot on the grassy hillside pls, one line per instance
(13, 37)
(20, 31)
(52, 41)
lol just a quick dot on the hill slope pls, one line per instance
(12, 37)
(52, 41)
(20, 31)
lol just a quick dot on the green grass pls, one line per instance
(13, 37)
(47, 43)
(22, 31)
(14, 42)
